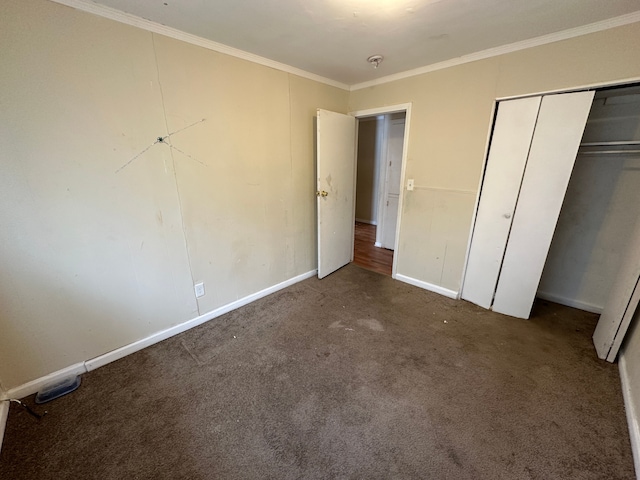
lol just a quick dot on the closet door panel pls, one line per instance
(510, 142)
(556, 139)
(622, 303)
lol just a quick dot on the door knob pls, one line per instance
(322, 193)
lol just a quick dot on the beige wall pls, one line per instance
(92, 259)
(451, 118)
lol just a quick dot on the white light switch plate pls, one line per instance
(199, 288)
(410, 184)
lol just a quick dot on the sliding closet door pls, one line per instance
(556, 139)
(508, 153)
(622, 303)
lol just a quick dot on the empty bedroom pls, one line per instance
(323, 239)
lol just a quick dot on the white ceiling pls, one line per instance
(333, 38)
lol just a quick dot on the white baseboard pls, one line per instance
(370, 222)
(34, 386)
(377, 244)
(4, 412)
(569, 302)
(632, 414)
(170, 332)
(427, 286)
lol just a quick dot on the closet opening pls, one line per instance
(558, 214)
(378, 185)
(601, 206)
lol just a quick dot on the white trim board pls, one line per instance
(569, 302)
(386, 110)
(632, 414)
(34, 386)
(148, 25)
(477, 192)
(576, 88)
(504, 49)
(427, 286)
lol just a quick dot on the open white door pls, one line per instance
(336, 168)
(621, 305)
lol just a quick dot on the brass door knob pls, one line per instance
(322, 193)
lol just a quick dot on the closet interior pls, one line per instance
(601, 206)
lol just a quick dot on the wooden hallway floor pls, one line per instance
(366, 254)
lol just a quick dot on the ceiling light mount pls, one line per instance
(375, 60)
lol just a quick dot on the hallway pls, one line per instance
(366, 254)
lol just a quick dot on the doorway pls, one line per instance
(336, 168)
(380, 147)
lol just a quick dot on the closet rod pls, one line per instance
(610, 144)
(608, 152)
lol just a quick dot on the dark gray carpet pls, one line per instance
(356, 376)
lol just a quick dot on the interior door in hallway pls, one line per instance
(336, 168)
(391, 195)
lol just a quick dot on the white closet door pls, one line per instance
(621, 305)
(556, 139)
(510, 142)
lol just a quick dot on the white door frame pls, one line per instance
(406, 108)
(477, 202)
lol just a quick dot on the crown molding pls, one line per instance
(504, 49)
(148, 25)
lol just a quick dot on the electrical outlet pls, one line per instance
(410, 184)
(199, 288)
